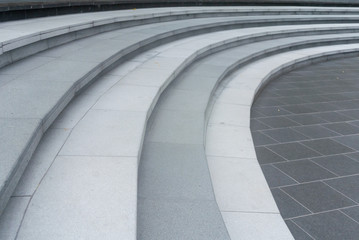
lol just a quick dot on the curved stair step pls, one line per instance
(239, 185)
(59, 97)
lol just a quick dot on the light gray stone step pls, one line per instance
(32, 219)
(233, 166)
(23, 39)
(69, 75)
(174, 183)
(20, 33)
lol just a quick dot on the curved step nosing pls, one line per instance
(10, 49)
(290, 65)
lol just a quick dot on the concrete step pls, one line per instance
(239, 185)
(50, 65)
(23, 38)
(70, 143)
(71, 67)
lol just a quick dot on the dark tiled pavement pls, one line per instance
(305, 127)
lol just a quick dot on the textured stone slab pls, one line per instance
(106, 133)
(239, 185)
(41, 161)
(11, 218)
(244, 225)
(98, 190)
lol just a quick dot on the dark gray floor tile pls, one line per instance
(297, 232)
(351, 141)
(284, 135)
(271, 111)
(338, 164)
(352, 212)
(261, 139)
(282, 85)
(318, 197)
(278, 122)
(333, 117)
(299, 109)
(352, 95)
(327, 146)
(296, 92)
(266, 156)
(342, 128)
(354, 123)
(288, 207)
(257, 125)
(329, 226)
(323, 107)
(349, 186)
(315, 98)
(306, 119)
(335, 97)
(354, 156)
(256, 114)
(304, 170)
(351, 113)
(352, 104)
(291, 100)
(176, 219)
(276, 178)
(265, 102)
(293, 151)
(315, 131)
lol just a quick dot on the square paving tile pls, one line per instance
(268, 102)
(333, 117)
(354, 156)
(338, 164)
(262, 139)
(342, 128)
(352, 95)
(353, 104)
(284, 135)
(349, 186)
(271, 111)
(297, 233)
(315, 131)
(287, 206)
(352, 212)
(351, 113)
(355, 123)
(327, 146)
(300, 108)
(256, 114)
(318, 197)
(276, 178)
(257, 125)
(293, 151)
(329, 226)
(306, 119)
(291, 100)
(315, 99)
(266, 156)
(335, 97)
(350, 141)
(323, 107)
(304, 170)
(278, 122)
